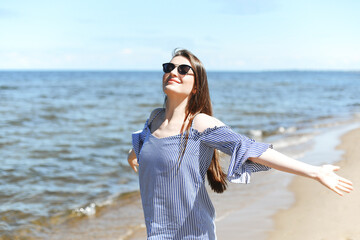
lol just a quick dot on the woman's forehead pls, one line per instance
(180, 60)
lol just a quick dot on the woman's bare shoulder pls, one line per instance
(202, 121)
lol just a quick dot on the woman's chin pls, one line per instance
(169, 91)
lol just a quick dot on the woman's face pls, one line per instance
(175, 83)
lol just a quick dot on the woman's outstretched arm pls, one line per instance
(133, 160)
(323, 174)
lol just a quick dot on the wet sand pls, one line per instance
(122, 220)
(320, 214)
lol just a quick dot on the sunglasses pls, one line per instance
(182, 69)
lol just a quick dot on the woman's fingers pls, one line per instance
(335, 168)
(336, 190)
(342, 188)
(344, 180)
(134, 165)
(345, 185)
(132, 160)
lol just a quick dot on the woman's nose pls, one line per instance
(174, 72)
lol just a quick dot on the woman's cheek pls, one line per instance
(163, 81)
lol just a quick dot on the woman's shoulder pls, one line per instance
(203, 121)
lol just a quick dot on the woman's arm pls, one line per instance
(324, 174)
(133, 160)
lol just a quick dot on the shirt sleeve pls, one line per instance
(138, 139)
(240, 148)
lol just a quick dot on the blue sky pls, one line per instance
(141, 35)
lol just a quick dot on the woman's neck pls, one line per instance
(175, 109)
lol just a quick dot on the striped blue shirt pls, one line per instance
(175, 201)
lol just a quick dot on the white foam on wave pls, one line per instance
(256, 133)
(89, 210)
(293, 140)
(286, 130)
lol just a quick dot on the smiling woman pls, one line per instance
(177, 148)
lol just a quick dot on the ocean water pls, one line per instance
(64, 136)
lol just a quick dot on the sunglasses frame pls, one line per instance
(178, 68)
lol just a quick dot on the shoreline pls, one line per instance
(319, 213)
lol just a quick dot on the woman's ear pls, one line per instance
(194, 91)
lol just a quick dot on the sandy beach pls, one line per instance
(318, 213)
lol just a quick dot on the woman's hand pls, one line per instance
(324, 174)
(329, 179)
(132, 160)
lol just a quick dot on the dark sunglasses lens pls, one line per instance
(168, 67)
(183, 69)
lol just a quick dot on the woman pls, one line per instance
(177, 148)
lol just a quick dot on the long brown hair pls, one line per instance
(199, 102)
